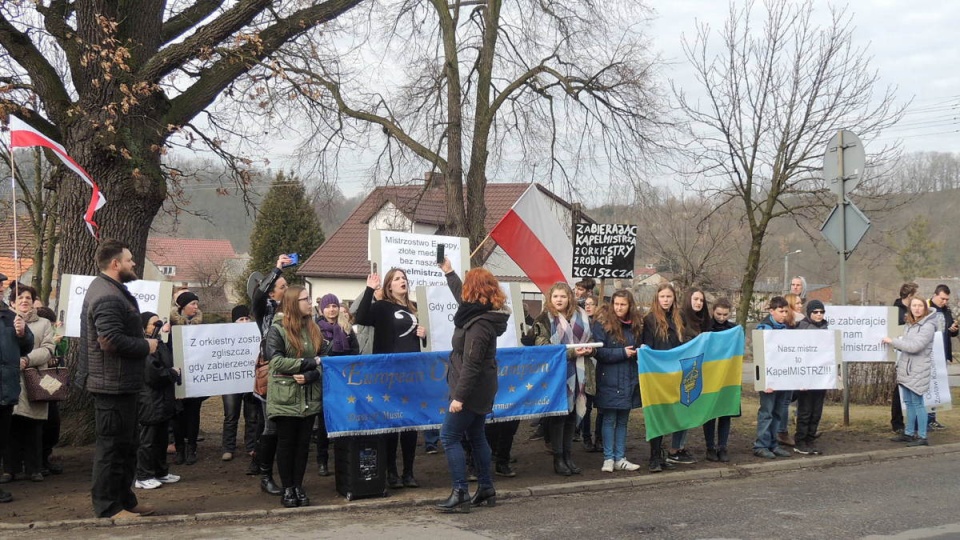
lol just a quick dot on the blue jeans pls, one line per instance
(719, 427)
(915, 411)
(615, 433)
(455, 426)
(769, 418)
(678, 440)
(431, 437)
(783, 426)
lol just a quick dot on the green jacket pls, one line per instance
(286, 397)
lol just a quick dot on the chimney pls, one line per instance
(433, 179)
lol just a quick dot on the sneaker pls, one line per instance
(679, 458)
(723, 456)
(902, 438)
(624, 465)
(814, 450)
(149, 483)
(168, 479)
(227, 456)
(936, 426)
(764, 453)
(686, 454)
(654, 466)
(712, 454)
(432, 449)
(802, 448)
(785, 439)
(918, 442)
(5, 496)
(504, 469)
(780, 452)
(607, 466)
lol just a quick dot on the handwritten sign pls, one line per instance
(152, 296)
(861, 329)
(215, 359)
(416, 254)
(604, 250)
(796, 359)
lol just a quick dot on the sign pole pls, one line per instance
(842, 206)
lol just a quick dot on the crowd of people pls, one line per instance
(129, 370)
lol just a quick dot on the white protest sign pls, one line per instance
(153, 296)
(796, 359)
(442, 306)
(938, 395)
(416, 255)
(215, 359)
(861, 330)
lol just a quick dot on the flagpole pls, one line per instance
(480, 245)
(13, 191)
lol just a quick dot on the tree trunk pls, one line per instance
(749, 277)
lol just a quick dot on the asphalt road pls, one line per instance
(903, 499)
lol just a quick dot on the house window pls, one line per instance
(168, 270)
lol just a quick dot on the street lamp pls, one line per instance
(786, 270)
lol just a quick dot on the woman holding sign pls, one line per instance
(395, 330)
(294, 345)
(914, 368)
(564, 323)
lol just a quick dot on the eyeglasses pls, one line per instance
(304, 299)
(817, 312)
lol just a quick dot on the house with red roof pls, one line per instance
(207, 267)
(10, 267)
(341, 264)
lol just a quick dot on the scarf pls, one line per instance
(468, 311)
(564, 332)
(334, 333)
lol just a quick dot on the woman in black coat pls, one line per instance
(472, 380)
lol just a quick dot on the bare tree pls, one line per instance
(774, 95)
(470, 88)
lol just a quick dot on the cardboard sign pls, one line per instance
(861, 329)
(153, 296)
(938, 395)
(442, 306)
(416, 254)
(604, 250)
(796, 359)
(215, 359)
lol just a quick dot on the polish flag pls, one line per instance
(24, 136)
(531, 235)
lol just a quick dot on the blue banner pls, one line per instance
(383, 393)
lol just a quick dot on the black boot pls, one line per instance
(289, 499)
(570, 464)
(484, 496)
(191, 457)
(302, 499)
(181, 456)
(254, 468)
(458, 501)
(322, 469)
(560, 465)
(267, 485)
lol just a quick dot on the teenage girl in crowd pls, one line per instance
(395, 330)
(620, 328)
(914, 368)
(343, 341)
(696, 320)
(591, 442)
(716, 432)
(662, 331)
(294, 345)
(563, 323)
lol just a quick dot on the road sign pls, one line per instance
(854, 161)
(855, 223)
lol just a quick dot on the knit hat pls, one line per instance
(184, 299)
(145, 318)
(814, 305)
(239, 312)
(328, 299)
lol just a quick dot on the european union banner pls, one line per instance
(684, 387)
(385, 393)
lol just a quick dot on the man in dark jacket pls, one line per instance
(113, 353)
(941, 303)
(16, 341)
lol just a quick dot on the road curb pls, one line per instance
(795, 463)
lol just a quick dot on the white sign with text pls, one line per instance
(153, 296)
(796, 359)
(442, 306)
(215, 359)
(938, 395)
(861, 330)
(416, 254)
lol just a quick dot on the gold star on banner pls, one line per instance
(442, 411)
(351, 399)
(423, 404)
(386, 398)
(404, 400)
(369, 398)
(529, 387)
(512, 388)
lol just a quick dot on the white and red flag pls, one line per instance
(531, 235)
(24, 136)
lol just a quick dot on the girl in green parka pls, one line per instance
(294, 345)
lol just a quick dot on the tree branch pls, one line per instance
(175, 26)
(46, 81)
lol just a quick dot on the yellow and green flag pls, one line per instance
(684, 387)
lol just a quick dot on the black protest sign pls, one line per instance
(604, 250)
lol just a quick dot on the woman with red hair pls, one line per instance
(472, 379)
